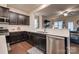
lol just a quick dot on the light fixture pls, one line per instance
(65, 13)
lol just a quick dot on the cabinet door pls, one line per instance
(13, 18)
(1, 12)
(4, 12)
(20, 19)
(31, 39)
(43, 44)
(26, 20)
(40, 42)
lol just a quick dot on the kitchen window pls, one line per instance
(70, 26)
(58, 24)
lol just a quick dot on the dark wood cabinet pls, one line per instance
(35, 39)
(31, 38)
(26, 20)
(1, 12)
(18, 19)
(40, 41)
(23, 20)
(16, 37)
(4, 12)
(13, 18)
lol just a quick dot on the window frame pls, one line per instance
(58, 24)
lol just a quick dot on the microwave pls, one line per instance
(3, 19)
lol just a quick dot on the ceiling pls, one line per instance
(25, 7)
(55, 9)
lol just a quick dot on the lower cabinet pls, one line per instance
(30, 38)
(35, 39)
(38, 40)
(16, 37)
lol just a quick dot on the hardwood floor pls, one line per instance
(20, 48)
(74, 48)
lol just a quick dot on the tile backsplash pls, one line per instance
(13, 28)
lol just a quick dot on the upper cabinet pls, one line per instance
(4, 12)
(23, 19)
(13, 17)
(26, 20)
(18, 19)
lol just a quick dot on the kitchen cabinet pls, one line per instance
(30, 38)
(18, 19)
(23, 20)
(4, 12)
(13, 18)
(26, 20)
(40, 42)
(37, 40)
(1, 12)
(16, 37)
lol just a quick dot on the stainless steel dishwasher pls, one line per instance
(55, 45)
